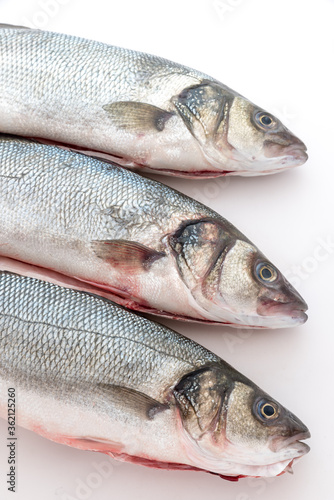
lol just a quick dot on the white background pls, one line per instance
(279, 54)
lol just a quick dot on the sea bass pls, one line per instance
(148, 112)
(89, 374)
(154, 248)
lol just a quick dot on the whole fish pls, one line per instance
(149, 112)
(154, 248)
(92, 375)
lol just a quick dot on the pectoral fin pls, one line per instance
(133, 400)
(129, 255)
(137, 116)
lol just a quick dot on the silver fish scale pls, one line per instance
(115, 72)
(57, 335)
(78, 197)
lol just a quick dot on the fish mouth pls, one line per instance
(296, 311)
(274, 160)
(293, 444)
(293, 154)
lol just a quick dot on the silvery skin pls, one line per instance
(146, 112)
(92, 375)
(155, 249)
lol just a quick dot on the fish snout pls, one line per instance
(295, 308)
(297, 152)
(293, 442)
(283, 301)
(291, 446)
(287, 147)
(290, 440)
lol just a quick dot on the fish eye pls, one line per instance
(264, 120)
(267, 410)
(266, 272)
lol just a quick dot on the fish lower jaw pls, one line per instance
(281, 316)
(233, 468)
(267, 166)
(283, 322)
(265, 322)
(233, 461)
(254, 167)
(270, 470)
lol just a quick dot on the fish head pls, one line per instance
(258, 426)
(235, 135)
(232, 281)
(258, 294)
(230, 426)
(261, 141)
